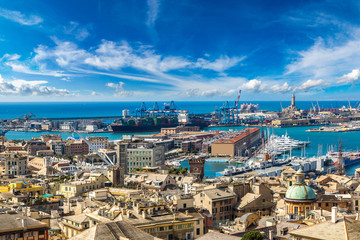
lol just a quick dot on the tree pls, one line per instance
(253, 235)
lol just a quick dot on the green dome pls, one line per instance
(300, 192)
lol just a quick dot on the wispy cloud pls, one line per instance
(152, 13)
(18, 17)
(17, 67)
(78, 31)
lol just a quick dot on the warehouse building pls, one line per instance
(237, 143)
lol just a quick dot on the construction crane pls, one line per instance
(237, 102)
(350, 108)
(313, 107)
(5, 128)
(106, 159)
(282, 109)
(317, 102)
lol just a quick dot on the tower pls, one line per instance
(197, 167)
(293, 100)
(340, 165)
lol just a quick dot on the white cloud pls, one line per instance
(29, 88)
(64, 54)
(284, 88)
(119, 89)
(254, 85)
(93, 93)
(153, 10)
(311, 84)
(350, 78)
(221, 64)
(18, 17)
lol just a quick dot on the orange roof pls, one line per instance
(246, 132)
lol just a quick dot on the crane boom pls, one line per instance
(106, 159)
(237, 102)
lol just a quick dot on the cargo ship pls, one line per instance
(154, 124)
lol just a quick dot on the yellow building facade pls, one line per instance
(299, 198)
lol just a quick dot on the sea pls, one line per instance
(320, 142)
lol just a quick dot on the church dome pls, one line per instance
(300, 192)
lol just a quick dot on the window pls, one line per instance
(296, 210)
(327, 204)
(198, 231)
(319, 204)
(161, 229)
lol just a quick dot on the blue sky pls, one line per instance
(121, 50)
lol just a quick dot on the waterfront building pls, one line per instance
(48, 137)
(299, 198)
(17, 226)
(179, 129)
(237, 143)
(98, 143)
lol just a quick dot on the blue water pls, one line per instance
(96, 109)
(350, 140)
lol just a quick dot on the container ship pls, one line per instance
(154, 124)
(147, 124)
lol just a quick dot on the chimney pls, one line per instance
(187, 212)
(271, 235)
(144, 214)
(24, 223)
(333, 214)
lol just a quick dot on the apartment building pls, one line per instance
(98, 143)
(218, 202)
(76, 147)
(16, 166)
(77, 188)
(17, 226)
(132, 155)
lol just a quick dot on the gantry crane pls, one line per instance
(106, 159)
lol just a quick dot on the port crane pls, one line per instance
(5, 128)
(106, 159)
